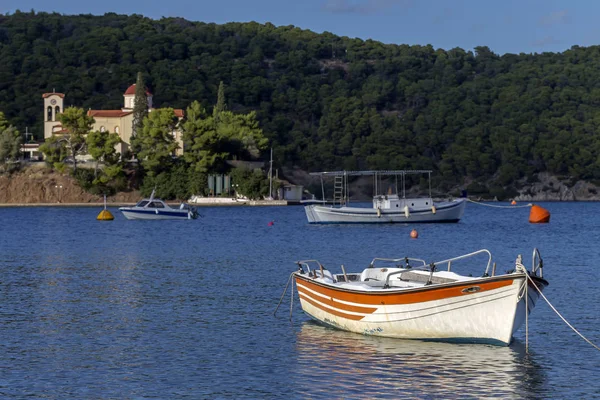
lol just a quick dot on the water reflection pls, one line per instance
(335, 364)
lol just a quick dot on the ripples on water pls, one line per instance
(184, 309)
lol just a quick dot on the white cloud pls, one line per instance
(362, 6)
(554, 18)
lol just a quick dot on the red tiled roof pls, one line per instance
(108, 113)
(62, 95)
(131, 90)
(120, 113)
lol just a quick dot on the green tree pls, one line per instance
(3, 122)
(156, 141)
(101, 146)
(140, 107)
(54, 150)
(10, 146)
(252, 184)
(76, 124)
(220, 106)
(211, 140)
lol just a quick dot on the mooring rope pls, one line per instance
(284, 292)
(492, 205)
(561, 317)
(292, 300)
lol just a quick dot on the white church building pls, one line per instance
(117, 121)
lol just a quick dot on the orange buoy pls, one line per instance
(538, 215)
(414, 234)
(514, 203)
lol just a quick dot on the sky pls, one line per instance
(505, 26)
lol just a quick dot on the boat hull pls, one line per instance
(130, 213)
(444, 212)
(491, 313)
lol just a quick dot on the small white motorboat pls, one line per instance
(411, 299)
(388, 208)
(153, 208)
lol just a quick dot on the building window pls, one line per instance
(116, 129)
(102, 129)
(49, 116)
(56, 111)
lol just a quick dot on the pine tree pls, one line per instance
(140, 110)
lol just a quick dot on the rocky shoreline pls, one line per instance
(37, 185)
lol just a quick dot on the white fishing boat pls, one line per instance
(153, 208)
(411, 299)
(393, 207)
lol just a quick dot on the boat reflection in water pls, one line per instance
(338, 364)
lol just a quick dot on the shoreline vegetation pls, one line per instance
(39, 185)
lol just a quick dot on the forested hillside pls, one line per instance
(323, 101)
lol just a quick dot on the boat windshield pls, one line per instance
(142, 203)
(156, 204)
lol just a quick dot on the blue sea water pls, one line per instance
(184, 309)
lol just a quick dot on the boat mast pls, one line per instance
(271, 176)
(429, 184)
(322, 189)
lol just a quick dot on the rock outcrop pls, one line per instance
(38, 184)
(550, 188)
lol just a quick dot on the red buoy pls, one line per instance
(539, 215)
(414, 234)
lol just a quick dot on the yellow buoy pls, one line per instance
(433, 210)
(105, 215)
(414, 234)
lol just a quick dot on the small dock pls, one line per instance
(233, 202)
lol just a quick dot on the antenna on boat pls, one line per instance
(152, 194)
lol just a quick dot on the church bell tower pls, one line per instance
(53, 106)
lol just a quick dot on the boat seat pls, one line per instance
(373, 274)
(416, 277)
(327, 275)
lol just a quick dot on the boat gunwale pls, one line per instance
(448, 205)
(395, 291)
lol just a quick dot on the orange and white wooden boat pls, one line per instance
(411, 299)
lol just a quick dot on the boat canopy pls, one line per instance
(341, 195)
(378, 173)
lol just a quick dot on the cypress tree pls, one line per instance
(220, 107)
(140, 110)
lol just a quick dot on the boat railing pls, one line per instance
(306, 263)
(537, 264)
(450, 260)
(406, 260)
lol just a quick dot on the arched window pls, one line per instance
(102, 129)
(49, 116)
(56, 112)
(116, 129)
